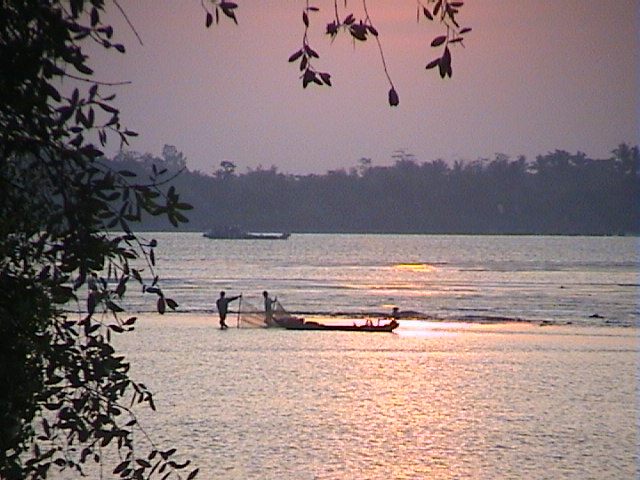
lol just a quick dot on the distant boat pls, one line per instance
(301, 324)
(235, 233)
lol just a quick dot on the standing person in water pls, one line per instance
(268, 308)
(223, 306)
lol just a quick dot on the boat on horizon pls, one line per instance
(236, 233)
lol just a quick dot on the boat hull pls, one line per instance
(246, 236)
(389, 327)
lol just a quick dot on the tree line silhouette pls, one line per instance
(557, 193)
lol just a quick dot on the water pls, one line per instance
(460, 397)
(582, 280)
(433, 401)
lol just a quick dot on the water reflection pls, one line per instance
(414, 267)
(441, 401)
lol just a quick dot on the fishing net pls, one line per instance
(251, 316)
(281, 317)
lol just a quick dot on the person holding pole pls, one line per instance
(268, 308)
(223, 307)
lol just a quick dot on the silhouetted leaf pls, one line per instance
(193, 474)
(161, 305)
(394, 100)
(82, 68)
(438, 41)
(296, 56)
(172, 304)
(445, 63)
(433, 63)
(436, 9)
(209, 20)
(95, 17)
(326, 78)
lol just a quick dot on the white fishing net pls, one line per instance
(251, 316)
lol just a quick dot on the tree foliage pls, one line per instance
(67, 251)
(66, 392)
(360, 27)
(556, 193)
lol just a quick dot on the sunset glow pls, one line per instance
(414, 267)
(525, 83)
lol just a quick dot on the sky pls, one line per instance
(534, 76)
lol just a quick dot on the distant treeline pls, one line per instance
(558, 193)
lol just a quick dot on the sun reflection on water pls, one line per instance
(414, 267)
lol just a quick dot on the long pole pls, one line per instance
(239, 307)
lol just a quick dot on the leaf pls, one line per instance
(122, 286)
(310, 51)
(172, 304)
(308, 77)
(295, 56)
(433, 63)
(114, 307)
(95, 17)
(427, 13)
(121, 467)
(82, 68)
(436, 9)
(52, 92)
(465, 30)
(436, 42)
(209, 20)
(193, 474)
(228, 10)
(445, 63)
(326, 78)
(161, 306)
(305, 19)
(108, 108)
(394, 100)
(88, 330)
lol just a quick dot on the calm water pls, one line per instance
(436, 399)
(432, 401)
(583, 280)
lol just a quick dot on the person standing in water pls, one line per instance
(268, 308)
(223, 306)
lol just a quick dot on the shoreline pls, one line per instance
(411, 327)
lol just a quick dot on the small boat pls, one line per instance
(235, 233)
(300, 324)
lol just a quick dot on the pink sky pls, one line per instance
(534, 76)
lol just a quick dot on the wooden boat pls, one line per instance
(234, 233)
(300, 324)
